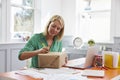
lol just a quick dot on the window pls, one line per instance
(0, 12)
(19, 19)
(22, 18)
(94, 20)
(0, 20)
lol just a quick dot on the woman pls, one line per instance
(49, 40)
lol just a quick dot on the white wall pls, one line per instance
(66, 8)
(115, 18)
(0, 21)
(49, 8)
(68, 12)
(3, 25)
(115, 21)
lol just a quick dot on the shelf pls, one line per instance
(96, 11)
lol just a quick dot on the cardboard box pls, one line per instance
(52, 60)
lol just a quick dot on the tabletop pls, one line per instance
(109, 74)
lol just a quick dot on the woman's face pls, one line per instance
(54, 28)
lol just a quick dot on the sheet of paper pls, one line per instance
(31, 72)
(116, 78)
(76, 62)
(66, 77)
(59, 71)
(54, 74)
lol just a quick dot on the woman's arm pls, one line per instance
(28, 54)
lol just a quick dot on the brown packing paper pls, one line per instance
(52, 60)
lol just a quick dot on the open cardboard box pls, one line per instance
(52, 60)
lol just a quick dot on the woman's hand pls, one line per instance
(43, 50)
(29, 54)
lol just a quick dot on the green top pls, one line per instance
(38, 41)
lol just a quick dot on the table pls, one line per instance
(109, 73)
(12, 75)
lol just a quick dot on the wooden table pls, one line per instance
(109, 73)
(12, 75)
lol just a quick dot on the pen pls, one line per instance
(43, 45)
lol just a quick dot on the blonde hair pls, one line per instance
(52, 19)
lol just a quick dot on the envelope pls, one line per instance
(52, 60)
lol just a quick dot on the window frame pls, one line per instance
(22, 34)
(91, 11)
(5, 26)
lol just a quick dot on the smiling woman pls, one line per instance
(44, 42)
